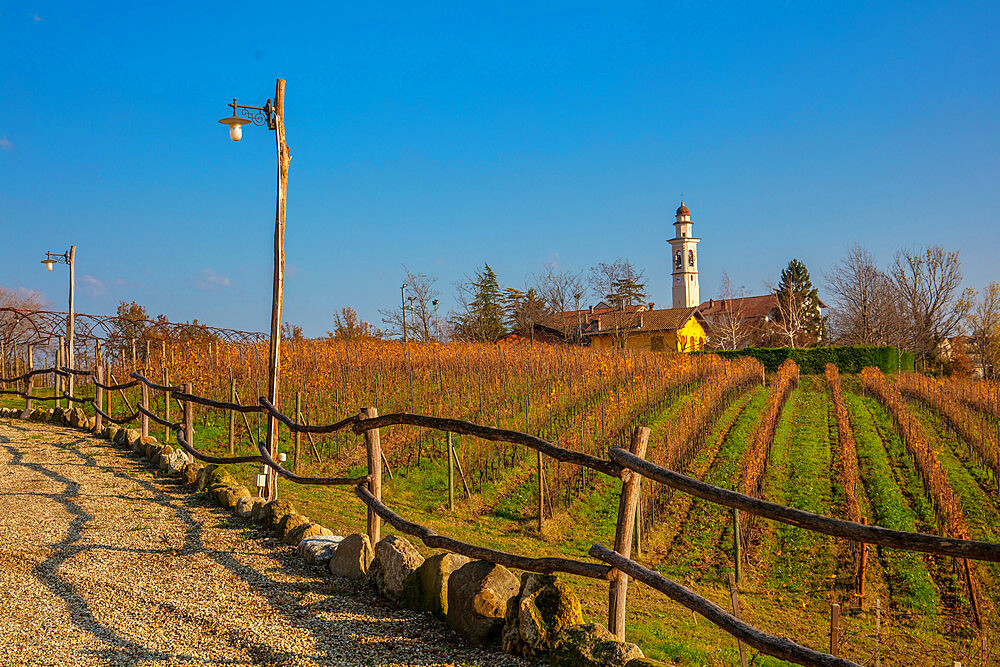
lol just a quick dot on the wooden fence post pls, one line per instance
(166, 405)
(107, 378)
(373, 445)
(232, 417)
(188, 416)
(298, 434)
(835, 629)
(145, 406)
(99, 395)
(30, 381)
(623, 534)
(738, 613)
(56, 378)
(451, 472)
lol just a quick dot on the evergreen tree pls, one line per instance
(482, 315)
(799, 302)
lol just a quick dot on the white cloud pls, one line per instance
(93, 286)
(208, 280)
(5, 144)
(35, 18)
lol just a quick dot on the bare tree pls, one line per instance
(928, 283)
(864, 308)
(729, 329)
(559, 289)
(421, 314)
(984, 323)
(14, 328)
(619, 283)
(348, 326)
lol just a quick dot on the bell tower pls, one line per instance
(684, 260)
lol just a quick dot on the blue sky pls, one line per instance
(441, 136)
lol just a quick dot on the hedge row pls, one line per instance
(812, 360)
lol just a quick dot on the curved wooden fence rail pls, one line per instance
(629, 466)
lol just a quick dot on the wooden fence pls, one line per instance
(613, 565)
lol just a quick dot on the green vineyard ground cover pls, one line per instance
(910, 582)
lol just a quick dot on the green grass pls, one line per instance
(909, 579)
(801, 563)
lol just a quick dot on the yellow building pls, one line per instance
(673, 329)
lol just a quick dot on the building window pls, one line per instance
(677, 260)
(690, 257)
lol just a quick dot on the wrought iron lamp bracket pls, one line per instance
(262, 116)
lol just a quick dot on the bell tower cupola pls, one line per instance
(684, 260)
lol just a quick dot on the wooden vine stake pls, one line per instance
(738, 613)
(862, 567)
(835, 629)
(451, 472)
(373, 445)
(541, 493)
(972, 595)
(623, 534)
(737, 545)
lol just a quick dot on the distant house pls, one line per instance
(573, 323)
(759, 317)
(672, 329)
(537, 333)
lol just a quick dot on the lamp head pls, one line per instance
(49, 263)
(235, 124)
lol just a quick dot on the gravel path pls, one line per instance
(102, 563)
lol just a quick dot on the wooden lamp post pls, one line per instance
(271, 116)
(68, 257)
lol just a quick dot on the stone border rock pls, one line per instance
(536, 616)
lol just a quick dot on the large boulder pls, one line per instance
(275, 510)
(228, 496)
(395, 560)
(258, 513)
(246, 506)
(590, 645)
(352, 557)
(189, 473)
(299, 533)
(427, 589)
(176, 462)
(478, 595)
(318, 550)
(289, 525)
(544, 606)
(216, 475)
(128, 437)
(163, 456)
(315, 530)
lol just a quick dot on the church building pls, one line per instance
(678, 329)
